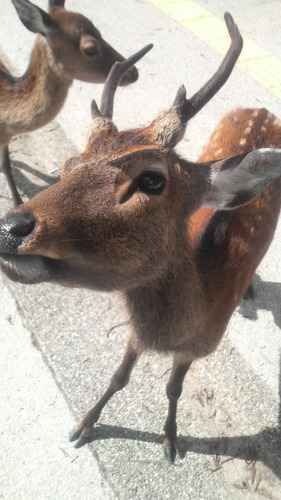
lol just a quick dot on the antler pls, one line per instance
(187, 108)
(116, 73)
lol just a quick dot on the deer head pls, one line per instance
(117, 217)
(76, 44)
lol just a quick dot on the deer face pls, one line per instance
(79, 47)
(75, 43)
(90, 227)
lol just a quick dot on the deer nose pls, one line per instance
(14, 229)
(134, 74)
(130, 77)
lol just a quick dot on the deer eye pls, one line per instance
(91, 51)
(151, 183)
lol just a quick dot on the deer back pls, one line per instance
(230, 244)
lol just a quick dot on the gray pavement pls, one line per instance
(60, 346)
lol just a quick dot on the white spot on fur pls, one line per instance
(242, 141)
(276, 123)
(216, 135)
(218, 152)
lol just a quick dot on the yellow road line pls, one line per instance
(256, 62)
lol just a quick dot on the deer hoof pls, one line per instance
(170, 452)
(74, 434)
(81, 434)
(82, 441)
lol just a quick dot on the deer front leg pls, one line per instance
(174, 390)
(82, 431)
(7, 171)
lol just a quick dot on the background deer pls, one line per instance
(68, 47)
(127, 215)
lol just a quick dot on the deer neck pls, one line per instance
(38, 95)
(166, 312)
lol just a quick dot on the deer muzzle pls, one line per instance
(15, 229)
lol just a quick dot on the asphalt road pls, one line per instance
(59, 347)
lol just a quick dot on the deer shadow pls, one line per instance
(264, 446)
(267, 296)
(25, 184)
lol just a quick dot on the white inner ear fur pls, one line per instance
(249, 175)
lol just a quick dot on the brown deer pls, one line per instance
(126, 215)
(68, 47)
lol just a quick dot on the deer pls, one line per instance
(180, 240)
(68, 47)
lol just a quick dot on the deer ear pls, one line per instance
(33, 18)
(235, 181)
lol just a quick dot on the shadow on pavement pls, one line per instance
(24, 182)
(264, 446)
(267, 297)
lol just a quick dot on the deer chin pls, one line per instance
(29, 269)
(70, 273)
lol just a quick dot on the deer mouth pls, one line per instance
(33, 269)
(29, 269)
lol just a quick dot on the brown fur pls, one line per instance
(250, 229)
